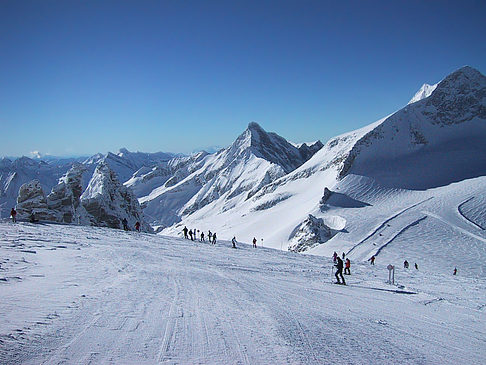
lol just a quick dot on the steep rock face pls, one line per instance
(108, 202)
(32, 199)
(311, 232)
(64, 200)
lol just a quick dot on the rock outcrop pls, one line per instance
(64, 200)
(108, 202)
(310, 232)
(32, 200)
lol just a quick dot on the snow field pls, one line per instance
(94, 295)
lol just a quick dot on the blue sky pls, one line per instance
(80, 77)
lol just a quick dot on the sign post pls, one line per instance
(391, 274)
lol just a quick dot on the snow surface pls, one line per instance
(73, 294)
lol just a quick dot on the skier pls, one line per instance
(13, 214)
(214, 238)
(339, 271)
(125, 224)
(210, 235)
(137, 226)
(347, 267)
(344, 255)
(372, 260)
(202, 236)
(416, 266)
(405, 264)
(254, 242)
(334, 256)
(455, 271)
(185, 232)
(190, 235)
(233, 241)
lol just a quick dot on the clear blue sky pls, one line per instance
(79, 77)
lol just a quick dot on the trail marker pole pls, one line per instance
(391, 274)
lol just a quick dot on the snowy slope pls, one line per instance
(431, 151)
(93, 295)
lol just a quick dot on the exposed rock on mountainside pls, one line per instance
(311, 232)
(64, 199)
(32, 200)
(108, 202)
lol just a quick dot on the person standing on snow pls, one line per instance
(455, 271)
(214, 238)
(372, 260)
(137, 226)
(185, 232)
(202, 236)
(254, 242)
(347, 267)
(210, 236)
(13, 214)
(190, 235)
(405, 264)
(125, 224)
(334, 256)
(339, 271)
(233, 241)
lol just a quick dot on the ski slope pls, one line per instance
(72, 294)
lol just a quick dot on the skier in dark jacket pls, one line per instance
(190, 235)
(13, 214)
(339, 271)
(137, 226)
(405, 264)
(372, 260)
(214, 238)
(233, 241)
(202, 236)
(185, 232)
(254, 242)
(125, 224)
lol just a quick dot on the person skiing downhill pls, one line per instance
(13, 214)
(339, 271)
(254, 242)
(347, 267)
(372, 260)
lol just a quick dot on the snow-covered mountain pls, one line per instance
(219, 182)
(428, 156)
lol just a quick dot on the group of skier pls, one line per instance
(338, 263)
(193, 234)
(126, 228)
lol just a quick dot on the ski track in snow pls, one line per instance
(385, 223)
(462, 230)
(462, 215)
(115, 297)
